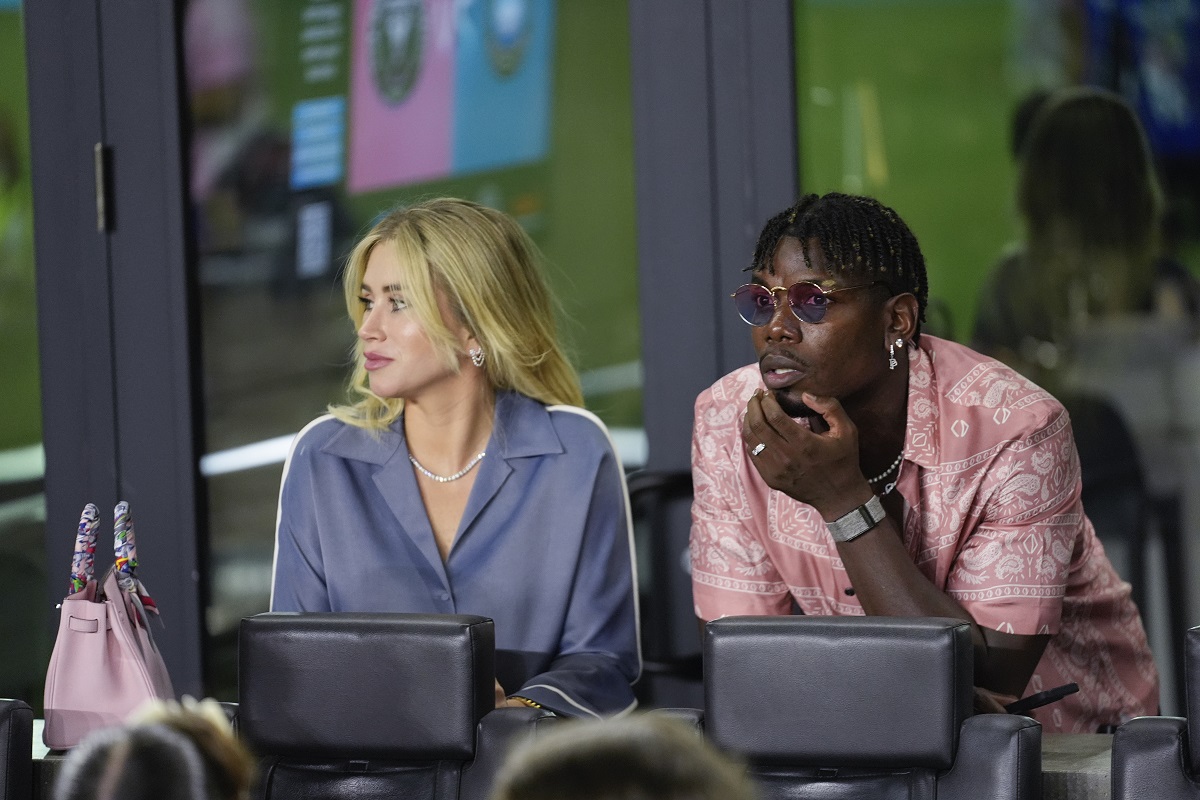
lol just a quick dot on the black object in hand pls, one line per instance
(1041, 698)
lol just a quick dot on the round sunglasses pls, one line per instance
(808, 300)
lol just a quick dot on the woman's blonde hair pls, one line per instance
(486, 267)
(1090, 197)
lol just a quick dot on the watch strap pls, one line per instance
(849, 527)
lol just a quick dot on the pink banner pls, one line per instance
(401, 93)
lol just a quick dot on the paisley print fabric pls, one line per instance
(990, 480)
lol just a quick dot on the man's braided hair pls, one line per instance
(860, 238)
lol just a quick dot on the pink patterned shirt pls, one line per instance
(993, 517)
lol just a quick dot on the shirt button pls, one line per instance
(443, 595)
(850, 591)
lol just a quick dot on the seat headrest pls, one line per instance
(838, 691)
(361, 686)
(1191, 672)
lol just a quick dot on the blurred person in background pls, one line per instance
(466, 478)
(639, 757)
(226, 110)
(1091, 208)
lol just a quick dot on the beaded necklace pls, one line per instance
(888, 488)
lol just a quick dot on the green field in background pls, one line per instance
(936, 73)
(20, 399)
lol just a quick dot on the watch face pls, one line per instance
(397, 44)
(507, 26)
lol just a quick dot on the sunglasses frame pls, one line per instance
(821, 287)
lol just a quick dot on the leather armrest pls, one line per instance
(16, 750)
(1150, 759)
(361, 686)
(988, 747)
(838, 691)
(498, 733)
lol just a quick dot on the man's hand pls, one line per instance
(819, 467)
(989, 702)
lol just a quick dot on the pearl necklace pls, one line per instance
(887, 489)
(447, 478)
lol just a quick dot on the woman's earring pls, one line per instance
(892, 362)
(477, 356)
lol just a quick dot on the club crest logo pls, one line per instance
(397, 35)
(507, 27)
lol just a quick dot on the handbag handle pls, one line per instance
(83, 561)
(125, 564)
(124, 547)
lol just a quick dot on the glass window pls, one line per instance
(909, 102)
(940, 109)
(23, 576)
(309, 120)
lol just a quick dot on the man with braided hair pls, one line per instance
(861, 467)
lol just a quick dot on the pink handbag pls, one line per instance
(105, 663)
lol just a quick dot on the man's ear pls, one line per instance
(903, 317)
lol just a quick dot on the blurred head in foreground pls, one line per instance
(168, 752)
(640, 757)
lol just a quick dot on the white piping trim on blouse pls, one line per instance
(637, 611)
(564, 696)
(287, 463)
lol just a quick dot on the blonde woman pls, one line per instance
(466, 478)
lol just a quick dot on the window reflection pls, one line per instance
(310, 119)
(22, 502)
(918, 103)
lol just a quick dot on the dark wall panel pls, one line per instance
(116, 352)
(73, 281)
(152, 353)
(715, 153)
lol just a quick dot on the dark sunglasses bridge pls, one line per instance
(808, 300)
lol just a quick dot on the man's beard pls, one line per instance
(792, 406)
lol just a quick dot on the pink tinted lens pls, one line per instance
(808, 301)
(754, 303)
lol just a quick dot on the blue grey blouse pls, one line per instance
(544, 547)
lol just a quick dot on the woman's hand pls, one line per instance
(504, 701)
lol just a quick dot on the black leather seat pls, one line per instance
(16, 760)
(881, 707)
(661, 504)
(369, 706)
(1126, 514)
(1159, 757)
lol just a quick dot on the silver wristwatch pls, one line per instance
(849, 527)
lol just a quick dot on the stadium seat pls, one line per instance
(373, 706)
(840, 707)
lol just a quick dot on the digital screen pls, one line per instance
(400, 92)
